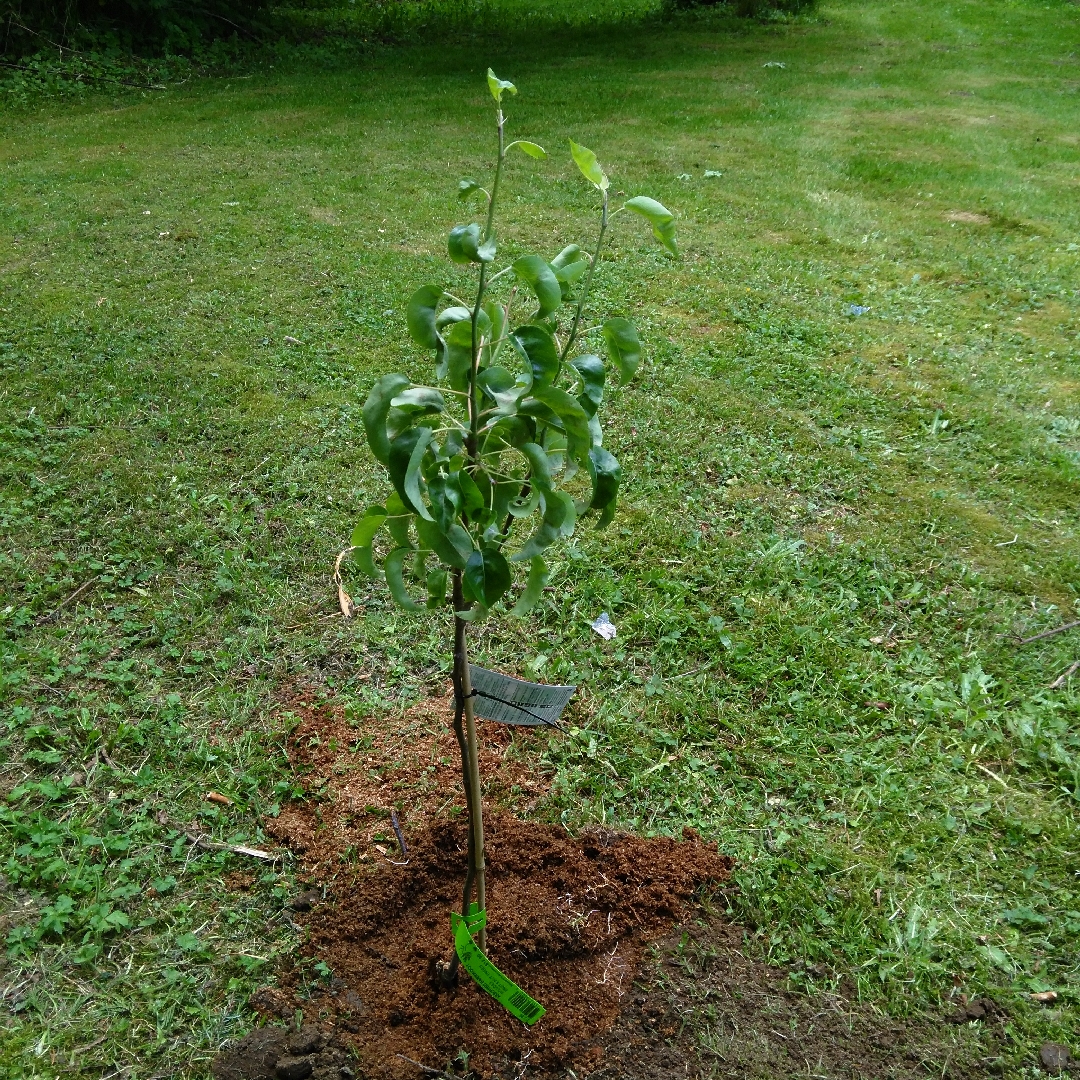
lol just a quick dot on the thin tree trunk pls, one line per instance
(470, 764)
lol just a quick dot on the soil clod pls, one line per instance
(1055, 1058)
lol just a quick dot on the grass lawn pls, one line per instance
(832, 529)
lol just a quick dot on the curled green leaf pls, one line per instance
(499, 86)
(534, 587)
(377, 408)
(586, 161)
(420, 316)
(536, 344)
(463, 242)
(446, 550)
(412, 473)
(659, 217)
(590, 370)
(606, 475)
(466, 187)
(623, 346)
(436, 588)
(487, 576)
(539, 276)
(531, 148)
(366, 528)
(395, 582)
(362, 536)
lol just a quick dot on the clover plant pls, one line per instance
(501, 455)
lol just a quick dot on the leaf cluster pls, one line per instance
(502, 453)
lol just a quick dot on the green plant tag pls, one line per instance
(485, 974)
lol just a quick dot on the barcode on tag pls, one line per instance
(521, 1003)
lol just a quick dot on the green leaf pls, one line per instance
(606, 473)
(398, 517)
(495, 314)
(463, 242)
(537, 345)
(459, 355)
(567, 275)
(623, 346)
(522, 508)
(498, 86)
(420, 316)
(589, 166)
(531, 148)
(395, 580)
(575, 420)
(420, 399)
(569, 254)
(450, 315)
(559, 513)
(376, 409)
(446, 551)
(475, 614)
(411, 483)
(466, 187)
(534, 587)
(591, 371)
(659, 217)
(399, 458)
(472, 501)
(465, 245)
(436, 588)
(487, 575)
(368, 526)
(536, 273)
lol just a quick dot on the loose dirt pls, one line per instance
(604, 929)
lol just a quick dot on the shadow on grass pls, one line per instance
(331, 34)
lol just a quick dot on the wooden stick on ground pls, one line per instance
(71, 599)
(1063, 678)
(1050, 633)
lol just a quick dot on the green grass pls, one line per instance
(831, 527)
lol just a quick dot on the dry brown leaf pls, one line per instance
(345, 601)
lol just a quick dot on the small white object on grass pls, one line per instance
(709, 173)
(604, 626)
(774, 63)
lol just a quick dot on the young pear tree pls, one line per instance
(501, 454)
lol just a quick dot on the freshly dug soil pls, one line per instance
(568, 919)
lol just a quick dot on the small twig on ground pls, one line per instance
(89, 1046)
(1050, 633)
(398, 833)
(203, 841)
(71, 599)
(993, 775)
(425, 1068)
(1063, 678)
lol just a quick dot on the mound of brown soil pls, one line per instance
(568, 919)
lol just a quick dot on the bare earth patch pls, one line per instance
(967, 216)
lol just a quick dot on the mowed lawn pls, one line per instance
(852, 461)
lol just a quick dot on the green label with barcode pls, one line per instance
(485, 974)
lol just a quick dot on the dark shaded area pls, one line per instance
(145, 27)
